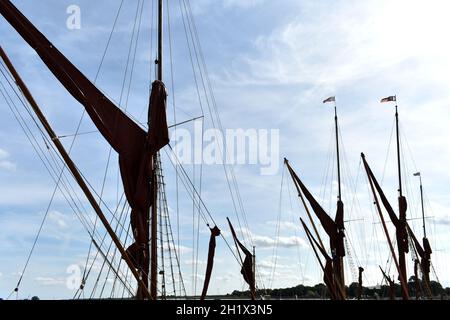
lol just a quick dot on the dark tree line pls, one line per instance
(320, 291)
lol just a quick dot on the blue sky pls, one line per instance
(271, 65)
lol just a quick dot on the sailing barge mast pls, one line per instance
(73, 169)
(402, 237)
(137, 149)
(333, 228)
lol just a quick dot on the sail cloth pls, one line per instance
(328, 276)
(360, 282)
(424, 254)
(334, 229)
(134, 146)
(399, 222)
(391, 284)
(215, 232)
(247, 270)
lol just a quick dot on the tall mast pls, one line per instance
(400, 191)
(402, 211)
(154, 213)
(418, 174)
(160, 39)
(341, 260)
(73, 169)
(337, 152)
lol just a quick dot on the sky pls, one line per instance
(270, 64)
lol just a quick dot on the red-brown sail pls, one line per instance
(425, 257)
(328, 274)
(247, 266)
(334, 229)
(215, 232)
(360, 283)
(391, 285)
(134, 146)
(398, 222)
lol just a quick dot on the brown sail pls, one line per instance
(391, 285)
(135, 146)
(425, 257)
(398, 222)
(215, 232)
(247, 269)
(334, 229)
(328, 274)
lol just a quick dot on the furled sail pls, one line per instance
(328, 274)
(360, 282)
(134, 146)
(334, 229)
(424, 254)
(399, 222)
(215, 232)
(391, 284)
(247, 269)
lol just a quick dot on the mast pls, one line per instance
(400, 191)
(401, 200)
(337, 152)
(254, 268)
(421, 202)
(73, 169)
(402, 237)
(154, 213)
(341, 259)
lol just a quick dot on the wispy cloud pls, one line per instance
(5, 164)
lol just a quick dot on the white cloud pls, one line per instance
(242, 3)
(5, 163)
(60, 219)
(50, 281)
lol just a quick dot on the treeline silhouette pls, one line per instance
(320, 291)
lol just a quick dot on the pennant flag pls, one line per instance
(330, 99)
(417, 174)
(389, 99)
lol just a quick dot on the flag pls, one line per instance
(330, 99)
(389, 99)
(417, 174)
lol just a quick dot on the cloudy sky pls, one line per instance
(270, 64)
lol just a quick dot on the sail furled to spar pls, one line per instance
(334, 229)
(247, 269)
(215, 232)
(398, 222)
(424, 253)
(391, 284)
(134, 145)
(328, 274)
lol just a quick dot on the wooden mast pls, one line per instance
(341, 259)
(401, 253)
(421, 202)
(73, 169)
(337, 152)
(154, 210)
